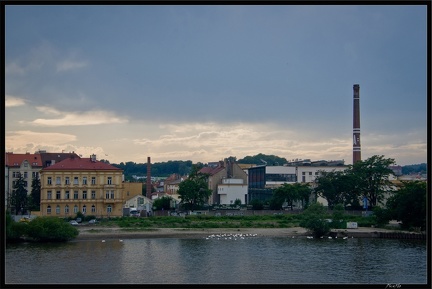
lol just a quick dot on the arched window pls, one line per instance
(58, 209)
(66, 209)
(109, 209)
(49, 210)
(84, 210)
(75, 209)
(93, 209)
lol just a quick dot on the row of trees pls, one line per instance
(365, 179)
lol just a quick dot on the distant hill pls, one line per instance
(262, 159)
(414, 169)
(165, 169)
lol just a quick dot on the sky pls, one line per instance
(204, 83)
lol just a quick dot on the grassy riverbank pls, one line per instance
(212, 222)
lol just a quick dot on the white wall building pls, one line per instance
(232, 189)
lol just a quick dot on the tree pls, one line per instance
(314, 220)
(19, 197)
(256, 204)
(408, 204)
(290, 193)
(163, 203)
(35, 194)
(372, 177)
(194, 191)
(337, 187)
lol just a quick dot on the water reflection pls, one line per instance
(248, 261)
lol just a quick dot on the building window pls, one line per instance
(49, 181)
(66, 209)
(93, 209)
(76, 181)
(67, 195)
(84, 195)
(49, 210)
(310, 173)
(58, 210)
(107, 195)
(109, 209)
(112, 194)
(109, 180)
(93, 195)
(35, 175)
(67, 181)
(58, 195)
(58, 181)
(93, 181)
(25, 175)
(49, 195)
(75, 209)
(84, 180)
(84, 210)
(75, 195)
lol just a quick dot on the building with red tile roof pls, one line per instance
(83, 185)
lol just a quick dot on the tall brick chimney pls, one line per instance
(148, 182)
(356, 125)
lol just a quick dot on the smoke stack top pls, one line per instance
(356, 124)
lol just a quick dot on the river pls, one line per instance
(248, 260)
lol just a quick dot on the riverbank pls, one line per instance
(102, 233)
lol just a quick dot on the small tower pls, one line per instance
(356, 125)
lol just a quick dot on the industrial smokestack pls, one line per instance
(356, 125)
(148, 182)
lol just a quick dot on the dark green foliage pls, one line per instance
(382, 216)
(162, 203)
(194, 191)
(163, 169)
(408, 205)
(290, 193)
(270, 160)
(51, 229)
(338, 217)
(256, 204)
(19, 199)
(314, 219)
(337, 187)
(418, 168)
(237, 202)
(372, 178)
(14, 230)
(34, 202)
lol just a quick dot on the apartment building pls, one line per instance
(83, 185)
(29, 166)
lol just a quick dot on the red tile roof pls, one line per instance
(211, 171)
(77, 163)
(16, 160)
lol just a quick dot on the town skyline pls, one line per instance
(203, 83)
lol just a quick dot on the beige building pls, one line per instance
(218, 175)
(28, 166)
(83, 185)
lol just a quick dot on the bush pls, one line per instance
(51, 229)
(314, 219)
(257, 204)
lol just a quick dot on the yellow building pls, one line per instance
(82, 185)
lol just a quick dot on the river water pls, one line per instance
(252, 260)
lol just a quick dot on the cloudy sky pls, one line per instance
(203, 83)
